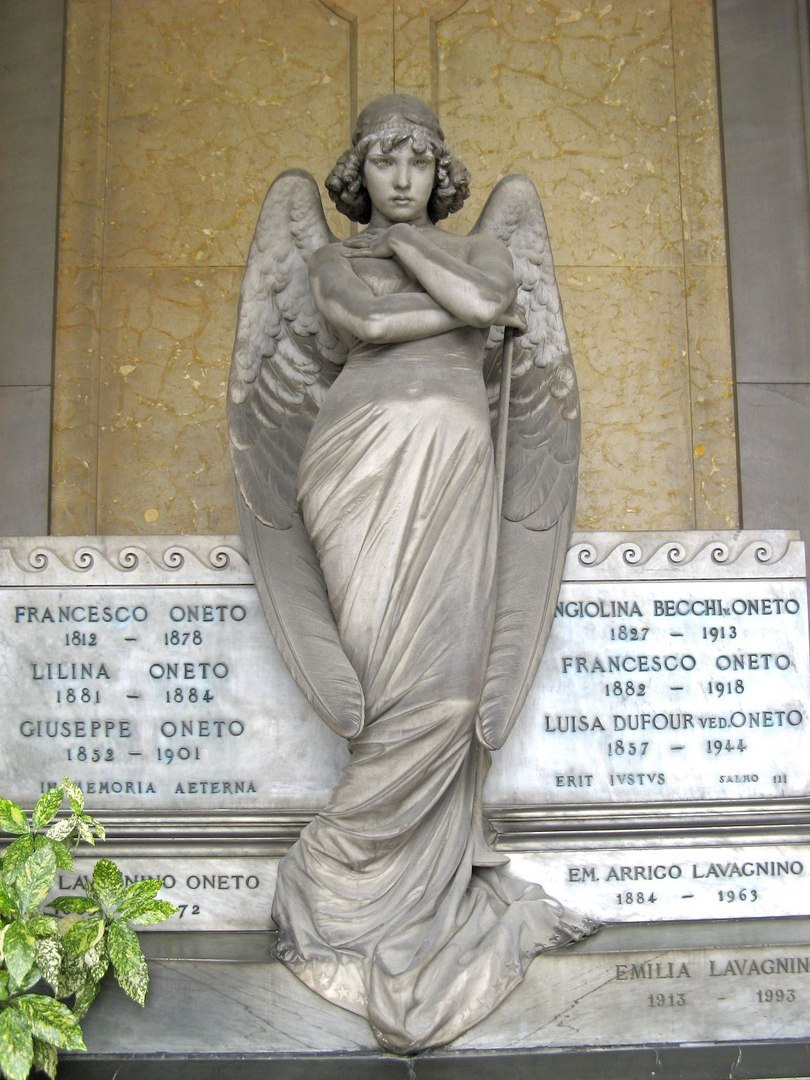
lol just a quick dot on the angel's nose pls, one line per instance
(402, 177)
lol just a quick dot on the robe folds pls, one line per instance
(392, 904)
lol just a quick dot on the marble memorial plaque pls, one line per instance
(656, 883)
(146, 672)
(677, 669)
(663, 996)
(210, 893)
(650, 884)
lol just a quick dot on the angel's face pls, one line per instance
(399, 182)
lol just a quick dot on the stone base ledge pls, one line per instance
(635, 1001)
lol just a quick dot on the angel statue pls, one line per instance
(410, 598)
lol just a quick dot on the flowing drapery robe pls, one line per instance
(392, 904)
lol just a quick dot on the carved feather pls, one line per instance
(284, 360)
(541, 459)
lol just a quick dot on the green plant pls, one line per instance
(73, 948)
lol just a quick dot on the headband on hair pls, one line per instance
(397, 114)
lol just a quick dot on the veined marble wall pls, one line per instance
(178, 114)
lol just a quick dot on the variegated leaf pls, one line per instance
(97, 960)
(128, 960)
(108, 881)
(16, 854)
(64, 859)
(35, 878)
(83, 936)
(8, 901)
(80, 904)
(90, 891)
(139, 892)
(30, 981)
(63, 828)
(85, 997)
(67, 921)
(47, 807)
(12, 818)
(96, 826)
(45, 1058)
(74, 974)
(43, 926)
(16, 1046)
(149, 912)
(75, 795)
(49, 961)
(85, 832)
(19, 951)
(51, 1020)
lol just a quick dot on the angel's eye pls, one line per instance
(422, 163)
(381, 162)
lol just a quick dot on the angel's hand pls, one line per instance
(371, 244)
(514, 317)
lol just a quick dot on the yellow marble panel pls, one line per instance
(714, 437)
(80, 250)
(698, 132)
(84, 138)
(372, 47)
(581, 97)
(208, 102)
(75, 431)
(416, 45)
(166, 342)
(714, 440)
(628, 334)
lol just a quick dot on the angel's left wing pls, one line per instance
(284, 360)
(541, 459)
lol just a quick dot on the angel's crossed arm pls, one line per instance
(349, 304)
(476, 291)
(479, 288)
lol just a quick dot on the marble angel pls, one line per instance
(410, 597)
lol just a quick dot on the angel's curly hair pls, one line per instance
(348, 192)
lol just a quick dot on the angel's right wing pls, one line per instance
(540, 480)
(285, 358)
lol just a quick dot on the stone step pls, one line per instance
(698, 1000)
